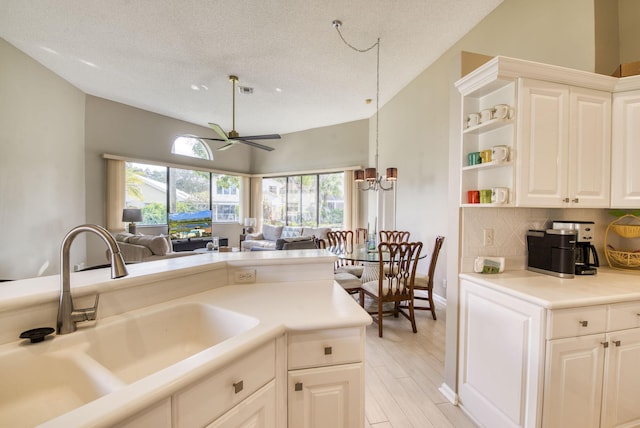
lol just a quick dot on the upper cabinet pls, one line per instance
(558, 134)
(625, 174)
(564, 145)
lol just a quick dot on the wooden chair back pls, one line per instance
(397, 272)
(341, 240)
(361, 235)
(427, 285)
(394, 236)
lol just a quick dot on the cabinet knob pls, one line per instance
(575, 200)
(584, 323)
(238, 386)
(616, 342)
(298, 386)
(605, 344)
(328, 350)
(565, 200)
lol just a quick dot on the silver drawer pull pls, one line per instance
(237, 387)
(616, 342)
(328, 350)
(298, 386)
(584, 323)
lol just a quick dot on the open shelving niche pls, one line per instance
(486, 135)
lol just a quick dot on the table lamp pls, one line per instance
(132, 215)
(249, 224)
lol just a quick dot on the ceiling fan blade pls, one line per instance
(262, 137)
(218, 130)
(210, 139)
(256, 145)
(226, 146)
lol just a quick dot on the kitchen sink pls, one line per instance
(44, 380)
(137, 345)
(39, 387)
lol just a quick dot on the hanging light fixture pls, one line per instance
(374, 181)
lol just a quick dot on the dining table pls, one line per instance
(369, 259)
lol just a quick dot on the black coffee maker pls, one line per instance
(585, 253)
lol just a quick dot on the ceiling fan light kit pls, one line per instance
(370, 175)
(234, 137)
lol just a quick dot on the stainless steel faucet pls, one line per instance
(67, 315)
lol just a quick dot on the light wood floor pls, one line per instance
(403, 372)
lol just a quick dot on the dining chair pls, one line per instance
(397, 272)
(361, 235)
(394, 236)
(426, 284)
(347, 273)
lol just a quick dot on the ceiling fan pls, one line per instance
(233, 137)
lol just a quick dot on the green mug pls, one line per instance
(473, 158)
(485, 196)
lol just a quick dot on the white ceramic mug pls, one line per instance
(500, 153)
(473, 120)
(499, 195)
(486, 115)
(500, 111)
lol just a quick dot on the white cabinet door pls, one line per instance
(573, 382)
(257, 411)
(589, 168)
(621, 407)
(625, 174)
(564, 146)
(327, 397)
(542, 141)
(500, 357)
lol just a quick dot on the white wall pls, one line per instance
(42, 188)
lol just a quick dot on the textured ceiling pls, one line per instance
(148, 53)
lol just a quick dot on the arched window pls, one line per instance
(192, 147)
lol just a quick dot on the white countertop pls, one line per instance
(279, 307)
(608, 286)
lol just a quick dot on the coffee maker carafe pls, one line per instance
(586, 256)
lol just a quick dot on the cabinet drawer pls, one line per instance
(624, 315)
(576, 321)
(202, 402)
(325, 348)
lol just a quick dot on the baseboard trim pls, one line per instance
(449, 394)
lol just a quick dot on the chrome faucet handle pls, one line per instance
(86, 314)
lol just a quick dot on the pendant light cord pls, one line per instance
(337, 25)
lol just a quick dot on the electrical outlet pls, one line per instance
(488, 237)
(245, 275)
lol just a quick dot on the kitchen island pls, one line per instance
(220, 339)
(536, 350)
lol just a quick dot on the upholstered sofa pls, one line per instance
(282, 237)
(144, 248)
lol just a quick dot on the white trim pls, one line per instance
(175, 165)
(449, 393)
(307, 172)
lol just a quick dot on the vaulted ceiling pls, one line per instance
(174, 57)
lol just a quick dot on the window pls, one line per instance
(189, 201)
(192, 147)
(146, 188)
(314, 200)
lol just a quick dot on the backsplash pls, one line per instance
(510, 226)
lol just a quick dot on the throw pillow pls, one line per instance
(318, 232)
(291, 231)
(157, 244)
(124, 236)
(271, 233)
